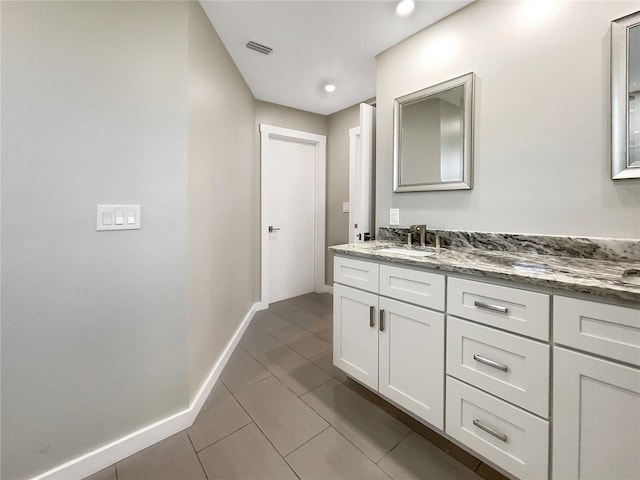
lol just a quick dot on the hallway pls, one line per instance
(280, 410)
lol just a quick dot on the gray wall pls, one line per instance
(338, 180)
(223, 199)
(105, 333)
(541, 126)
(287, 117)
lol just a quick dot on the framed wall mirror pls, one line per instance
(433, 137)
(625, 97)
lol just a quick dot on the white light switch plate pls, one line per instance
(118, 217)
(394, 216)
(345, 207)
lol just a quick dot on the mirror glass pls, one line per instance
(432, 140)
(625, 97)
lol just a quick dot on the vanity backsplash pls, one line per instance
(596, 248)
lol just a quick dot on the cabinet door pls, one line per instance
(412, 359)
(355, 334)
(596, 415)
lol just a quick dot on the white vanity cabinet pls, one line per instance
(391, 346)
(516, 368)
(596, 401)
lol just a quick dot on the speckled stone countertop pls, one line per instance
(598, 277)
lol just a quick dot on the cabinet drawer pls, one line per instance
(606, 330)
(518, 311)
(506, 435)
(413, 286)
(356, 273)
(511, 367)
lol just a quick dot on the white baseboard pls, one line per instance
(261, 306)
(113, 452)
(328, 289)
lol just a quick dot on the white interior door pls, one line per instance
(361, 144)
(292, 213)
(291, 216)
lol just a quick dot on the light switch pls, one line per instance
(107, 217)
(118, 217)
(345, 207)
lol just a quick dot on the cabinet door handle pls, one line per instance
(490, 431)
(381, 320)
(493, 308)
(372, 314)
(491, 363)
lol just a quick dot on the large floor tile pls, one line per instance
(292, 369)
(242, 370)
(256, 341)
(246, 454)
(311, 346)
(290, 334)
(372, 430)
(417, 458)
(108, 473)
(326, 334)
(269, 321)
(318, 297)
(288, 305)
(324, 298)
(317, 308)
(307, 320)
(218, 418)
(330, 456)
(325, 362)
(169, 459)
(285, 419)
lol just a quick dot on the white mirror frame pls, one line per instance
(620, 168)
(467, 145)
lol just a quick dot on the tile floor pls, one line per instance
(282, 411)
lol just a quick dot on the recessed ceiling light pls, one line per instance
(405, 7)
(330, 88)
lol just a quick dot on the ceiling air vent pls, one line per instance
(259, 47)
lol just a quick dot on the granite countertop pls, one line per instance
(583, 275)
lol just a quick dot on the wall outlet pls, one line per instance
(394, 216)
(345, 207)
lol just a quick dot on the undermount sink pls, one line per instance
(406, 251)
(631, 275)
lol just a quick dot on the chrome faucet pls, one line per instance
(422, 230)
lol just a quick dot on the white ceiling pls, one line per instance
(314, 43)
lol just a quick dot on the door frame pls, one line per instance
(269, 132)
(354, 175)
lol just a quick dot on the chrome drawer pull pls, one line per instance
(489, 430)
(381, 320)
(372, 320)
(493, 308)
(491, 363)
